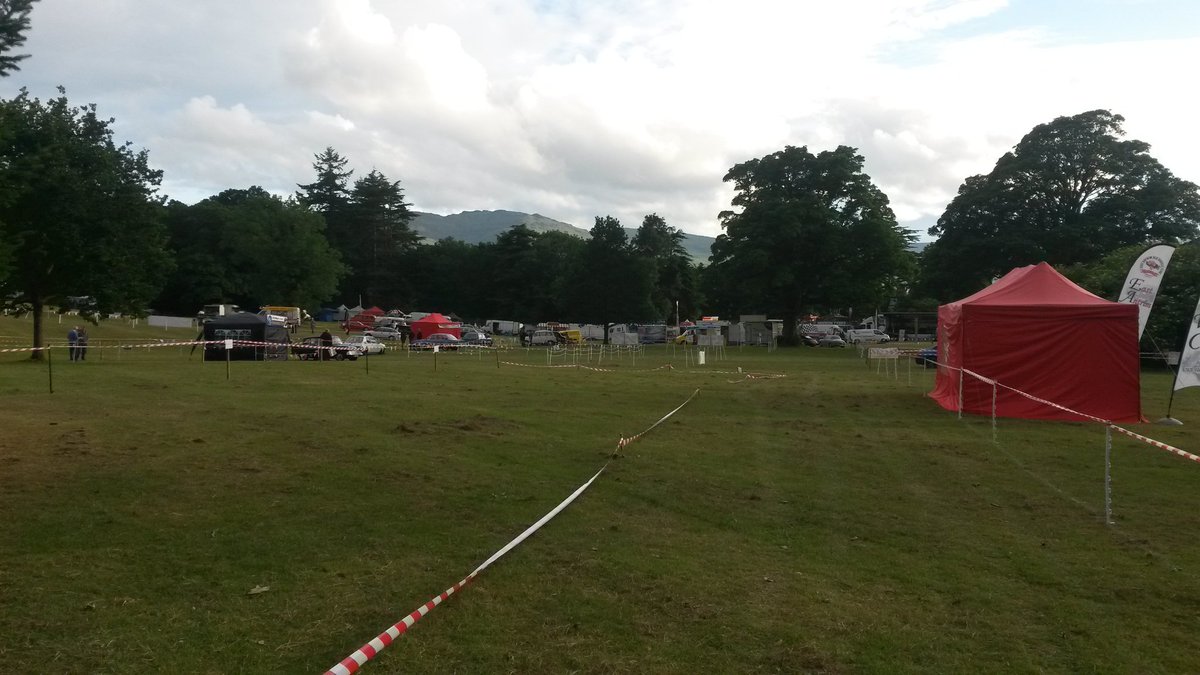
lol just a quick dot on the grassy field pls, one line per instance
(835, 520)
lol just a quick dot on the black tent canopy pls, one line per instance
(247, 327)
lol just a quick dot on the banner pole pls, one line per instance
(1193, 329)
(50, 367)
(227, 364)
(1108, 475)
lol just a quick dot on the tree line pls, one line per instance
(808, 233)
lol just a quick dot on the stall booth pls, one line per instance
(1035, 332)
(271, 339)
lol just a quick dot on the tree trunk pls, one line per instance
(37, 328)
(606, 325)
(789, 329)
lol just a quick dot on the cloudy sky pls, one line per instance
(579, 108)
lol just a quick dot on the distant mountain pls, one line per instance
(476, 227)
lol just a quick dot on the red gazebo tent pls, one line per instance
(1034, 330)
(435, 323)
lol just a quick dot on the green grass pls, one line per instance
(832, 521)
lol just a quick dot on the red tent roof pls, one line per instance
(435, 323)
(1038, 284)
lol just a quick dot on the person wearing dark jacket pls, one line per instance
(326, 345)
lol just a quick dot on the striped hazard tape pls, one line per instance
(1158, 444)
(1100, 420)
(580, 366)
(368, 651)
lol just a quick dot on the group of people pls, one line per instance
(77, 343)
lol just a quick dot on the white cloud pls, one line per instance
(576, 109)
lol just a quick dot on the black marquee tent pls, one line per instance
(249, 327)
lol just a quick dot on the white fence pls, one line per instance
(164, 322)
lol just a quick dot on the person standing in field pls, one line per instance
(326, 345)
(82, 343)
(72, 343)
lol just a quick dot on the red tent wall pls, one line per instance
(435, 323)
(1036, 331)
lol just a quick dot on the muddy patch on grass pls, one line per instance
(479, 424)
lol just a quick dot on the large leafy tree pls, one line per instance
(375, 239)
(251, 248)
(530, 273)
(674, 275)
(614, 283)
(1071, 191)
(81, 212)
(329, 194)
(812, 233)
(449, 276)
(368, 224)
(14, 21)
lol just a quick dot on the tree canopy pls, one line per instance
(612, 284)
(674, 276)
(1071, 191)
(368, 224)
(81, 212)
(14, 21)
(250, 248)
(813, 233)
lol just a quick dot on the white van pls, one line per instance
(867, 335)
(620, 334)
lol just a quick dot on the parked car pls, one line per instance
(867, 335)
(810, 340)
(309, 349)
(367, 344)
(477, 337)
(443, 341)
(543, 337)
(927, 357)
(384, 332)
(831, 340)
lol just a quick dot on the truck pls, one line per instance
(622, 334)
(211, 312)
(500, 327)
(652, 333)
(291, 315)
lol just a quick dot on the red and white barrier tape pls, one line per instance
(532, 365)
(1158, 444)
(665, 366)
(757, 376)
(184, 343)
(368, 651)
(1100, 420)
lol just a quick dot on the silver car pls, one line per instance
(383, 332)
(831, 340)
(368, 344)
